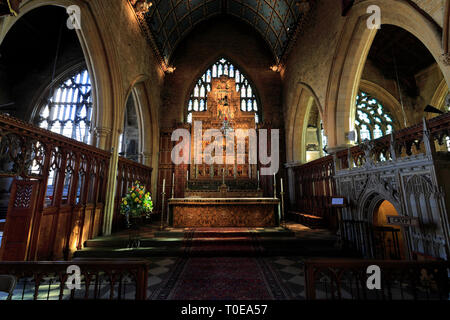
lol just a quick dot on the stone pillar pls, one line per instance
(112, 183)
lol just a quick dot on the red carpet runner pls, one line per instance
(221, 278)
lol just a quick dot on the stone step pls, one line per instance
(148, 252)
(181, 234)
(179, 242)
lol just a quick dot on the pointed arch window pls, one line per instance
(198, 100)
(372, 120)
(67, 109)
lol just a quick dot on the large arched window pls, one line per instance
(198, 100)
(372, 121)
(67, 108)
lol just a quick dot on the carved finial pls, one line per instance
(367, 147)
(427, 139)
(349, 158)
(392, 148)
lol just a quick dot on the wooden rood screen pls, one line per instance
(66, 181)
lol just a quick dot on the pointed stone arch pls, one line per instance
(297, 123)
(350, 56)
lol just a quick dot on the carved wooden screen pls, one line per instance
(18, 220)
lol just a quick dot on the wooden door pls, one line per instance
(22, 204)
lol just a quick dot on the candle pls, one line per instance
(274, 186)
(164, 185)
(281, 182)
(173, 184)
(187, 175)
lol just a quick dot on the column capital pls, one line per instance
(101, 131)
(446, 58)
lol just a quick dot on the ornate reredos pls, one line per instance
(224, 104)
(223, 99)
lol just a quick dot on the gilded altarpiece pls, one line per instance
(223, 114)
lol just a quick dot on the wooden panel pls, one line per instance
(75, 230)
(19, 218)
(97, 222)
(44, 246)
(87, 223)
(61, 234)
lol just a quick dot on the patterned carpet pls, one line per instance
(229, 278)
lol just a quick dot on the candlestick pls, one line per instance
(258, 179)
(162, 202)
(274, 186)
(173, 184)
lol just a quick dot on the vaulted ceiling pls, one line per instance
(169, 21)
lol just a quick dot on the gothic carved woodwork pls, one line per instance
(21, 211)
(72, 178)
(223, 113)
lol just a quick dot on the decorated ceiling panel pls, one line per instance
(169, 21)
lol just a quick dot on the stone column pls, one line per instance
(112, 183)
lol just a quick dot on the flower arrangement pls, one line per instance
(137, 203)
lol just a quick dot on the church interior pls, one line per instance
(224, 149)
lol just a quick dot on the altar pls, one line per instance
(225, 192)
(223, 212)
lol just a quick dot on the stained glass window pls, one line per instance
(372, 121)
(198, 100)
(68, 108)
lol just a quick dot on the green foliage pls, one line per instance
(137, 202)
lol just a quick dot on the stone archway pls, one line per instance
(355, 42)
(386, 241)
(389, 238)
(98, 64)
(297, 124)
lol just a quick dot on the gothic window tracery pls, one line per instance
(198, 100)
(372, 120)
(68, 107)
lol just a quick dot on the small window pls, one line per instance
(372, 121)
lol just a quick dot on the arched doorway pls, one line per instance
(130, 145)
(388, 239)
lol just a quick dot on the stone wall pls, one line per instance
(221, 37)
